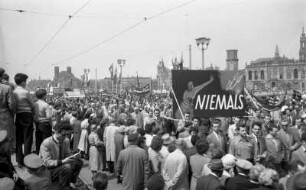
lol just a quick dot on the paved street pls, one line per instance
(85, 176)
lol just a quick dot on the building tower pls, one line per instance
(69, 70)
(232, 60)
(276, 53)
(302, 53)
(56, 72)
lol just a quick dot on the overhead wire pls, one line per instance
(56, 33)
(122, 32)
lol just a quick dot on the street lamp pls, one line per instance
(121, 63)
(203, 43)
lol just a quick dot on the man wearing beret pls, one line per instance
(241, 179)
(133, 164)
(56, 155)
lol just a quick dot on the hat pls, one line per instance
(244, 164)
(3, 135)
(284, 108)
(7, 183)
(133, 137)
(229, 161)
(33, 161)
(216, 164)
(121, 129)
(297, 182)
(167, 139)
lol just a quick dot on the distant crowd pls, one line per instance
(137, 140)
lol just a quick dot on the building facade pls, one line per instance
(267, 74)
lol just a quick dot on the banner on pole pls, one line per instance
(207, 93)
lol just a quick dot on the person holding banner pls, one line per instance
(188, 97)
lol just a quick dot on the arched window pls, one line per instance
(250, 75)
(262, 75)
(295, 74)
(255, 75)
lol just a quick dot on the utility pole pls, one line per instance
(190, 62)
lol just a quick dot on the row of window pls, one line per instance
(274, 74)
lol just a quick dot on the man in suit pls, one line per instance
(290, 137)
(243, 169)
(300, 153)
(216, 137)
(211, 181)
(275, 148)
(259, 140)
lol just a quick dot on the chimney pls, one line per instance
(232, 60)
(69, 70)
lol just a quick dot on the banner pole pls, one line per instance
(177, 103)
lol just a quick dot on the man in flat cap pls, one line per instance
(133, 165)
(243, 168)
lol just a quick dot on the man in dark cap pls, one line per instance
(56, 155)
(133, 164)
(211, 181)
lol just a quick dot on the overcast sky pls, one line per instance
(254, 27)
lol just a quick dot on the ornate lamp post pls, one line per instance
(203, 43)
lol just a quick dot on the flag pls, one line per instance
(111, 70)
(115, 76)
(257, 102)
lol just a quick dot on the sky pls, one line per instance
(142, 32)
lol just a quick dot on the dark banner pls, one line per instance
(208, 93)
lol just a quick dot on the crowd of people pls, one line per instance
(138, 141)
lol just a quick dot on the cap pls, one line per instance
(229, 161)
(167, 139)
(7, 183)
(299, 183)
(33, 161)
(133, 137)
(244, 164)
(216, 165)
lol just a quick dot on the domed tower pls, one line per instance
(302, 53)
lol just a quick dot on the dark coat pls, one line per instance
(211, 138)
(209, 182)
(236, 181)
